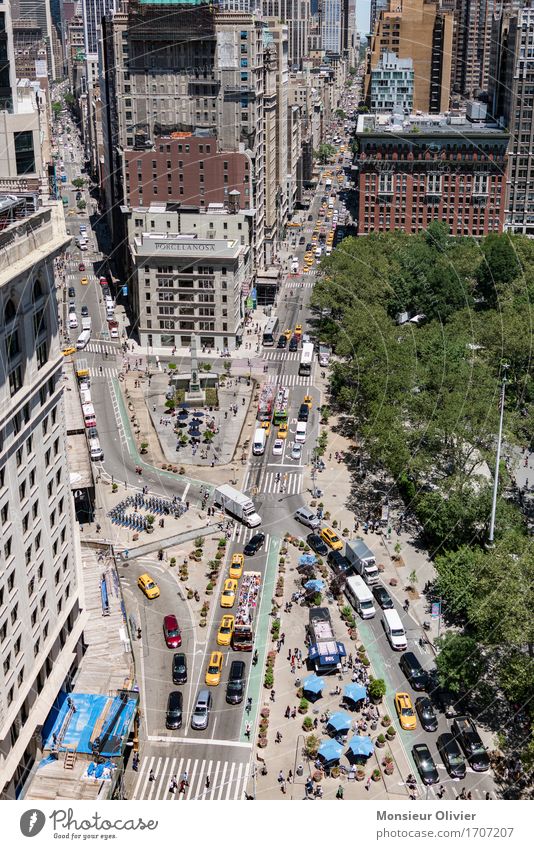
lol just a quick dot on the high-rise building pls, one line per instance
(39, 10)
(93, 12)
(331, 26)
(392, 85)
(450, 170)
(518, 107)
(296, 15)
(7, 62)
(376, 7)
(421, 31)
(30, 51)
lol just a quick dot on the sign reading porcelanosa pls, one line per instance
(194, 247)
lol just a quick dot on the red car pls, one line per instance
(81, 267)
(103, 281)
(171, 632)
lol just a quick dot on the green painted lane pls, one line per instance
(261, 639)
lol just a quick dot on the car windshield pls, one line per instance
(455, 758)
(475, 746)
(173, 632)
(212, 669)
(225, 629)
(150, 585)
(200, 710)
(407, 711)
(228, 591)
(234, 686)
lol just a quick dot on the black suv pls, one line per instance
(282, 342)
(383, 597)
(294, 343)
(426, 714)
(339, 563)
(235, 689)
(416, 675)
(316, 544)
(451, 755)
(465, 732)
(179, 668)
(254, 544)
(304, 413)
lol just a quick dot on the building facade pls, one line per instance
(40, 591)
(296, 15)
(419, 30)
(392, 85)
(331, 26)
(430, 168)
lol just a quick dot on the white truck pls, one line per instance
(362, 559)
(86, 322)
(258, 443)
(237, 504)
(324, 354)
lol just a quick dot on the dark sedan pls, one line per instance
(383, 597)
(316, 544)
(451, 755)
(425, 763)
(416, 675)
(179, 668)
(254, 544)
(426, 714)
(282, 342)
(466, 734)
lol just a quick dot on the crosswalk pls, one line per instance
(290, 482)
(107, 371)
(101, 348)
(227, 779)
(290, 380)
(282, 356)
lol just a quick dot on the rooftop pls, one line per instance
(165, 244)
(426, 124)
(31, 236)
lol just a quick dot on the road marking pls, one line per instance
(221, 785)
(186, 490)
(230, 779)
(198, 741)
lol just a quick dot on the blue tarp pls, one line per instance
(313, 684)
(340, 721)
(314, 584)
(88, 709)
(327, 654)
(330, 750)
(354, 692)
(361, 746)
(307, 560)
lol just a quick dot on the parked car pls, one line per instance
(426, 713)
(254, 544)
(316, 544)
(465, 732)
(405, 711)
(425, 763)
(451, 755)
(416, 675)
(179, 668)
(383, 597)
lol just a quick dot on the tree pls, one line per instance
(81, 204)
(78, 183)
(56, 108)
(340, 113)
(324, 152)
(497, 269)
(457, 580)
(69, 99)
(459, 662)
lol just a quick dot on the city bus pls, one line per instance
(270, 332)
(281, 406)
(306, 359)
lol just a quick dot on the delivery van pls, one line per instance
(89, 415)
(300, 435)
(83, 339)
(258, 443)
(95, 451)
(394, 630)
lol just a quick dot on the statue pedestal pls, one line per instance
(195, 398)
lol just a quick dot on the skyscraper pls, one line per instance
(39, 10)
(296, 15)
(331, 26)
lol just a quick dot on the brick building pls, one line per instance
(429, 169)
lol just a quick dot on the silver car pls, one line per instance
(296, 451)
(201, 712)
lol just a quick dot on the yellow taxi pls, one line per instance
(287, 333)
(330, 213)
(213, 672)
(226, 629)
(236, 566)
(84, 281)
(314, 240)
(405, 711)
(282, 431)
(70, 349)
(148, 586)
(308, 401)
(331, 538)
(298, 330)
(306, 269)
(228, 593)
(266, 426)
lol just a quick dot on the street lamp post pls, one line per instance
(497, 459)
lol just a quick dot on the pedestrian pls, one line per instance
(288, 712)
(294, 712)
(152, 776)
(488, 796)
(315, 722)
(185, 778)
(208, 782)
(247, 731)
(441, 792)
(280, 776)
(469, 796)
(278, 738)
(282, 638)
(339, 794)
(272, 695)
(368, 783)
(182, 787)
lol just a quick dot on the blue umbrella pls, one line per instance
(198, 415)
(314, 584)
(330, 750)
(307, 560)
(313, 684)
(354, 692)
(340, 721)
(193, 431)
(361, 746)
(183, 414)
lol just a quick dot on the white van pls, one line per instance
(300, 435)
(89, 416)
(95, 451)
(360, 596)
(73, 320)
(86, 322)
(394, 630)
(85, 396)
(258, 444)
(110, 311)
(83, 339)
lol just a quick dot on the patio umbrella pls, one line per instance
(313, 684)
(340, 721)
(193, 431)
(361, 746)
(315, 584)
(198, 415)
(307, 560)
(183, 414)
(330, 750)
(354, 692)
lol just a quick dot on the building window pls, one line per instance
(24, 153)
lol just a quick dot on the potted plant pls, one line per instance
(312, 746)
(360, 774)
(209, 588)
(144, 446)
(380, 741)
(265, 712)
(114, 487)
(172, 561)
(391, 732)
(307, 724)
(262, 742)
(386, 720)
(268, 680)
(375, 775)
(303, 705)
(388, 765)
(377, 690)
(199, 542)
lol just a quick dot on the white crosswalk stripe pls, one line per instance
(101, 348)
(290, 380)
(227, 779)
(291, 482)
(242, 534)
(107, 371)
